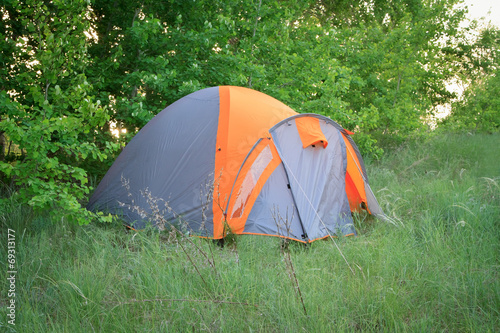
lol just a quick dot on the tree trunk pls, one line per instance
(2, 145)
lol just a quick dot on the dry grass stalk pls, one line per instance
(283, 224)
(157, 218)
(133, 300)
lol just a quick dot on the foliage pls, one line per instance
(479, 110)
(479, 107)
(51, 115)
(379, 71)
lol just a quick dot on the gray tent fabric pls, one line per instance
(274, 210)
(173, 158)
(317, 178)
(372, 202)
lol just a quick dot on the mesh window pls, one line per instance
(259, 165)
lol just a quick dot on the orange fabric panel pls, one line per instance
(245, 115)
(352, 193)
(310, 132)
(348, 132)
(355, 185)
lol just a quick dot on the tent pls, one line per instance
(231, 158)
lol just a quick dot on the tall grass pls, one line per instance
(434, 267)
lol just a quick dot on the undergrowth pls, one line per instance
(433, 266)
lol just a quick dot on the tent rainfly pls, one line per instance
(231, 157)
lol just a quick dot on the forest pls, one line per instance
(78, 79)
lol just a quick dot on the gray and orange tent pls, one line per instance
(234, 158)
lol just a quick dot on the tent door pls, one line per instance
(316, 175)
(261, 202)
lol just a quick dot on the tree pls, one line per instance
(49, 111)
(478, 66)
(373, 66)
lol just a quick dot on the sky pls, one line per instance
(480, 8)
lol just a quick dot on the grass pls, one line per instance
(435, 267)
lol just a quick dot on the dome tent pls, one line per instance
(232, 157)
